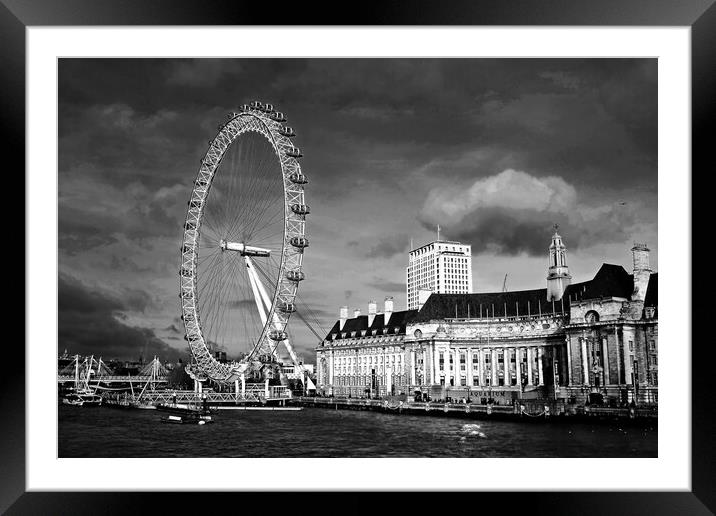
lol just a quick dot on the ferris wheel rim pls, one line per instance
(293, 243)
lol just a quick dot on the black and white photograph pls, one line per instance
(357, 257)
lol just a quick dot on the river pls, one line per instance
(312, 432)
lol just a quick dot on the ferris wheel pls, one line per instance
(243, 246)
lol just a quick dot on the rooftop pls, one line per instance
(396, 325)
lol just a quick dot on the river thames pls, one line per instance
(108, 432)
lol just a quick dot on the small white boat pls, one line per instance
(187, 419)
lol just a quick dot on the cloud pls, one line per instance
(132, 133)
(199, 72)
(564, 79)
(242, 303)
(388, 246)
(513, 212)
(387, 286)
(91, 322)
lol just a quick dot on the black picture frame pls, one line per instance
(700, 15)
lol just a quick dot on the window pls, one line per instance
(631, 345)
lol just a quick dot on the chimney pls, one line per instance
(372, 310)
(642, 271)
(343, 317)
(356, 312)
(388, 309)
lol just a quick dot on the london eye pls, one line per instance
(243, 246)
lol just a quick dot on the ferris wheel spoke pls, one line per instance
(214, 306)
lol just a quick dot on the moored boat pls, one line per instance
(184, 409)
(72, 399)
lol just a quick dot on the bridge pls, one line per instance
(153, 379)
(256, 393)
(96, 379)
(94, 374)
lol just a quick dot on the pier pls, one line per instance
(274, 395)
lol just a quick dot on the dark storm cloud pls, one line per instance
(88, 324)
(123, 263)
(435, 106)
(513, 213)
(75, 238)
(509, 232)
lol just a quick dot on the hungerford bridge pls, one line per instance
(92, 374)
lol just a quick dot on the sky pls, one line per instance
(495, 151)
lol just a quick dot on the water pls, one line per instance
(108, 432)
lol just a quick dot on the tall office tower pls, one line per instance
(442, 267)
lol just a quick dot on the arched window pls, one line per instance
(591, 317)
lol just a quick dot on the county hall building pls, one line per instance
(596, 340)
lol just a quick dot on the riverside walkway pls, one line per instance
(528, 410)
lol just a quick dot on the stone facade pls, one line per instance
(365, 355)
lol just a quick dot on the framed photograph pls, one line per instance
(212, 200)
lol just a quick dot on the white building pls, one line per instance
(441, 267)
(595, 339)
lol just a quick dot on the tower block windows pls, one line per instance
(558, 277)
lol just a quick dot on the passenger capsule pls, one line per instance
(299, 242)
(268, 108)
(245, 107)
(294, 152)
(295, 275)
(298, 178)
(287, 308)
(278, 117)
(256, 105)
(278, 335)
(286, 131)
(300, 209)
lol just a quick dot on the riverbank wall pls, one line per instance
(532, 411)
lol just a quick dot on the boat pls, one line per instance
(83, 399)
(72, 399)
(143, 406)
(192, 419)
(183, 409)
(89, 397)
